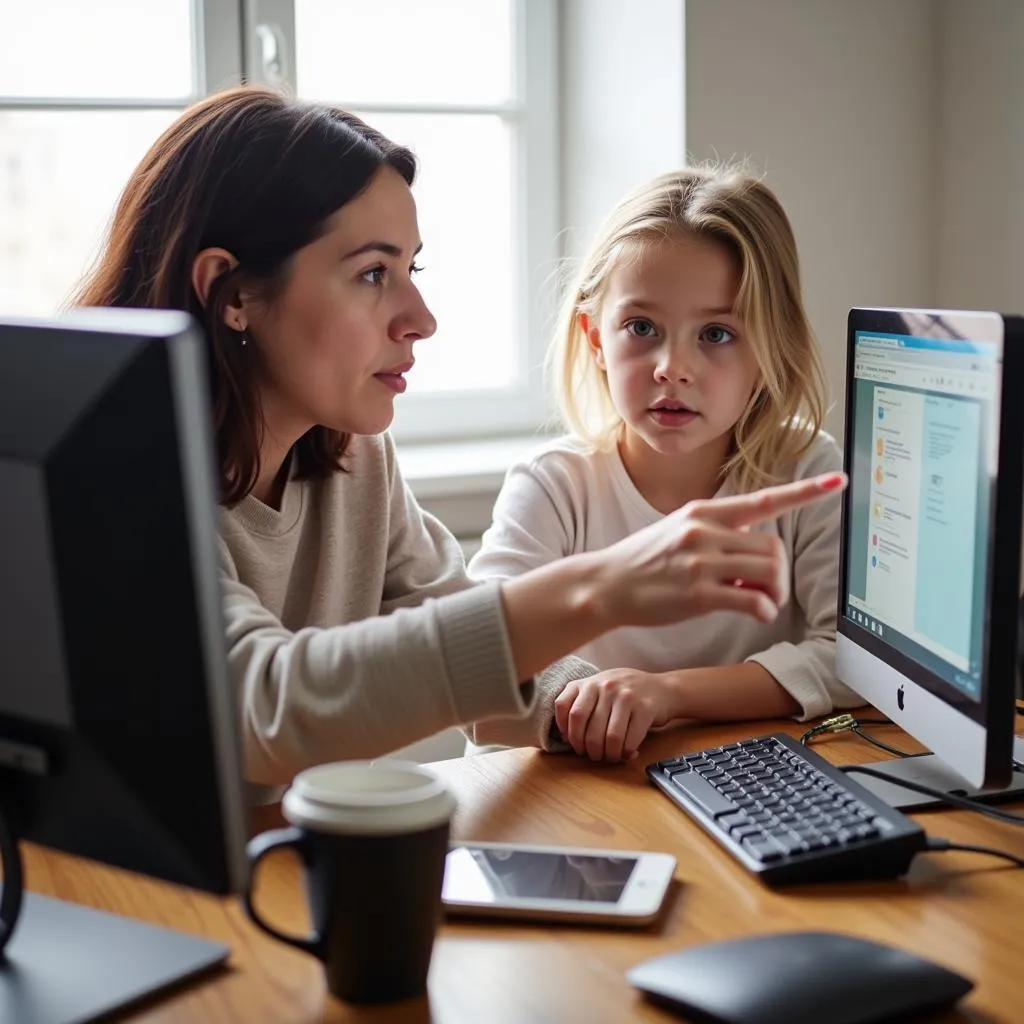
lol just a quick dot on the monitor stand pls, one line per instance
(65, 964)
(930, 770)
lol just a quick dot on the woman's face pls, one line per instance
(337, 343)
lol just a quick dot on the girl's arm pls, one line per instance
(607, 716)
(534, 522)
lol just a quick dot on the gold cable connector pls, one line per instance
(839, 723)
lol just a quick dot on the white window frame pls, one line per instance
(216, 64)
(254, 40)
(534, 115)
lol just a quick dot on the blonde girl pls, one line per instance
(686, 370)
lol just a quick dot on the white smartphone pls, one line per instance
(574, 883)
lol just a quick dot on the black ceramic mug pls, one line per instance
(372, 837)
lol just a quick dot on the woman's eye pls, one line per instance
(716, 334)
(641, 328)
(415, 269)
(375, 275)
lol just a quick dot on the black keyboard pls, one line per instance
(788, 815)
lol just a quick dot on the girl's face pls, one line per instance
(679, 368)
(337, 343)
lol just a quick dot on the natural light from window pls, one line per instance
(87, 87)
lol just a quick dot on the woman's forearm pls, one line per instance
(553, 610)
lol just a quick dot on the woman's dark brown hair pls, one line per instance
(257, 174)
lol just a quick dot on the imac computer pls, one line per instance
(931, 541)
(118, 734)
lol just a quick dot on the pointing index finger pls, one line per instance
(771, 502)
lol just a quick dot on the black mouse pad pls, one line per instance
(797, 976)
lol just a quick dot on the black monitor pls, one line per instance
(118, 732)
(931, 539)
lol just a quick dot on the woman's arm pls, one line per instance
(806, 668)
(365, 688)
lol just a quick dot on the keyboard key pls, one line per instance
(762, 849)
(704, 795)
(730, 821)
(789, 842)
(742, 832)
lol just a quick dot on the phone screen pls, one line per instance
(493, 875)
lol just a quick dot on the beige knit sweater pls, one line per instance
(353, 629)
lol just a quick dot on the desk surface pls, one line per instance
(962, 910)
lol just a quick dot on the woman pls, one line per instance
(289, 231)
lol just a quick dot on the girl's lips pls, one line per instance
(395, 381)
(672, 417)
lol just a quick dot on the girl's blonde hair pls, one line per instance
(729, 206)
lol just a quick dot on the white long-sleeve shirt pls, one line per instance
(568, 499)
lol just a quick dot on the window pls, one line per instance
(469, 85)
(79, 106)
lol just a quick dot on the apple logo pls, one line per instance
(899, 698)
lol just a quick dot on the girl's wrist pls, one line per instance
(676, 687)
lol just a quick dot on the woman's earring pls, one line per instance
(245, 340)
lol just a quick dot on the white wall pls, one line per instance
(980, 246)
(836, 101)
(622, 104)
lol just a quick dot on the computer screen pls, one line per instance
(118, 731)
(931, 529)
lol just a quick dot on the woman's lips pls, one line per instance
(395, 381)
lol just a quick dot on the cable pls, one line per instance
(847, 723)
(964, 802)
(936, 844)
(881, 744)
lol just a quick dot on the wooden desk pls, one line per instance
(962, 910)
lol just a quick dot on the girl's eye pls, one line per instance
(716, 334)
(375, 275)
(640, 328)
(415, 269)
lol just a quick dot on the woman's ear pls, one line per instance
(593, 336)
(209, 265)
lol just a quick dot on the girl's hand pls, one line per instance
(607, 716)
(704, 557)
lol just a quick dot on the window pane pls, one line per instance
(98, 48)
(464, 199)
(60, 176)
(402, 51)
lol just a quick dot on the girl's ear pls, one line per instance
(593, 336)
(206, 268)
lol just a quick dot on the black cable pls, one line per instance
(936, 844)
(964, 802)
(881, 744)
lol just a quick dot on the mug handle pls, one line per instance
(257, 848)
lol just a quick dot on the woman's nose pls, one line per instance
(417, 322)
